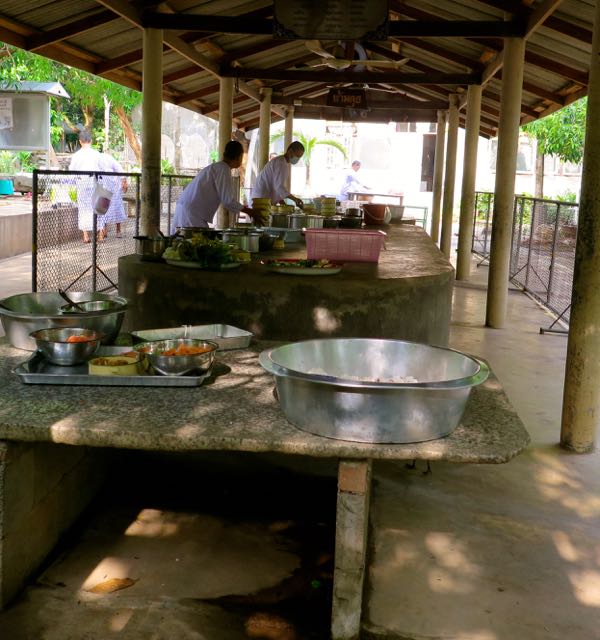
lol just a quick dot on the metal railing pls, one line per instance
(61, 212)
(542, 250)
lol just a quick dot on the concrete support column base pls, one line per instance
(43, 490)
(352, 524)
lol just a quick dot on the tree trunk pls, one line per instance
(129, 134)
(177, 159)
(539, 172)
(88, 116)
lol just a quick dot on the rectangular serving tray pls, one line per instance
(226, 336)
(37, 370)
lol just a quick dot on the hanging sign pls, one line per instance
(331, 19)
(6, 113)
(347, 98)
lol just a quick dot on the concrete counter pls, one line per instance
(407, 295)
(45, 483)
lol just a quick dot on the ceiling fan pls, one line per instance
(336, 60)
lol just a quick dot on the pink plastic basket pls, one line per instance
(344, 245)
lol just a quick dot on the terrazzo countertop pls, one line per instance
(233, 410)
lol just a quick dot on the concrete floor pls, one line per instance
(466, 552)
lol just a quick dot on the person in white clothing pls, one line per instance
(86, 159)
(273, 181)
(116, 213)
(212, 187)
(351, 182)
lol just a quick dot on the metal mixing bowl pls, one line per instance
(26, 312)
(352, 388)
(178, 365)
(53, 343)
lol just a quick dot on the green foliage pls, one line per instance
(567, 196)
(562, 133)
(24, 162)
(213, 156)
(7, 162)
(166, 167)
(309, 143)
(87, 92)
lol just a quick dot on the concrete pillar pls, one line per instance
(151, 130)
(352, 525)
(225, 126)
(264, 127)
(504, 191)
(450, 177)
(467, 196)
(581, 400)
(438, 175)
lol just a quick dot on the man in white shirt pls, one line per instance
(274, 179)
(351, 182)
(212, 187)
(86, 159)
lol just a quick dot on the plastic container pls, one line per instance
(344, 245)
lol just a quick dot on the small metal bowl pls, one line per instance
(54, 345)
(178, 365)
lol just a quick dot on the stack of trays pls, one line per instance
(327, 207)
(263, 205)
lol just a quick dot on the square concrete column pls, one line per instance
(450, 177)
(581, 401)
(264, 127)
(151, 130)
(438, 175)
(467, 196)
(352, 525)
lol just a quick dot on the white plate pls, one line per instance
(197, 265)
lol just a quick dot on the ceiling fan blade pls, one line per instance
(316, 47)
(336, 63)
(394, 64)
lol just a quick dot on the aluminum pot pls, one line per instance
(278, 220)
(364, 390)
(24, 313)
(243, 238)
(314, 222)
(296, 221)
(151, 249)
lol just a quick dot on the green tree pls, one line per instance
(309, 143)
(561, 134)
(89, 95)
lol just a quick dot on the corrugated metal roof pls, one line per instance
(47, 88)
(105, 38)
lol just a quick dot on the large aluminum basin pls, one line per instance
(24, 313)
(349, 389)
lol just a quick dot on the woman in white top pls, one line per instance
(273, 181)
(212, 187)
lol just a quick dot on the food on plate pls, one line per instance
(305, 264)
(198, 248)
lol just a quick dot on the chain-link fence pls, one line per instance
(75, 250)
(543, 246)
(482, 223)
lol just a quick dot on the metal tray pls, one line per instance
(37, 370)
(226, 336)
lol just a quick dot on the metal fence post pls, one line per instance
(553, 254)
(34, 230)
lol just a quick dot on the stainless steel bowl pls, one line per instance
(178, 365)
(314, 222)
(92, 305)
(54, 345)
(356, 389)
(24, 313)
